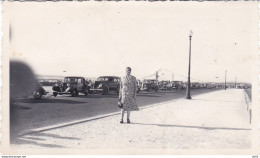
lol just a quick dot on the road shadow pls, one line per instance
(216, 100)
(48, 100)
(99, 96)
(148, 95)
(37, 139)
(48, 135)
(198, 127)
(23, 141)
(19, 107)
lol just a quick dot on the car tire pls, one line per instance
(37, 95)
(55, 94)
(74, 93)
(86, 92)
(105, 90)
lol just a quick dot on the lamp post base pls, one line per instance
(188, 97)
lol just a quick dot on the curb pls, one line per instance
(248, 106)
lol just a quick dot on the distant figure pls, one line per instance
(127, 94)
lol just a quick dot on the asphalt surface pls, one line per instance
(29, 113)
(217, 122)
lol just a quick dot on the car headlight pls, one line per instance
(100, 86)
(68, 84)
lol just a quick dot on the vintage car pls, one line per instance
(177, 85)
(150, 84)
(39, 91)
(139, 85)
(165, 85)
(105, 84)
(72, 85)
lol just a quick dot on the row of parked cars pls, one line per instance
(75, 85)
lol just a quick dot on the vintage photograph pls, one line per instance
(130, 77)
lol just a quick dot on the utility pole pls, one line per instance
(172, 77)
(235, 82)
(225, 79)
(157, 76)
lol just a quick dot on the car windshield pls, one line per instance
(150, 81)
(103, 79)
(70, 80)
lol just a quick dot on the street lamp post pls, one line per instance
(188, 86)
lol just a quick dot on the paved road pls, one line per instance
(30, 113)
(212, 122)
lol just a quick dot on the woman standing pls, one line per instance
(127, 94)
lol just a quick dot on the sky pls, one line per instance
(94, 39)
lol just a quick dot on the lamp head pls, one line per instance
(191, 33)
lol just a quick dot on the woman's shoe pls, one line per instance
(121, 121)
(128, 121)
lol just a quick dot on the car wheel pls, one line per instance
(74, 93)
(55, 94)
(105, 90)
(86, 92)
(37, 95)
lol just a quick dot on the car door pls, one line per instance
(111, 83)
(80, 85)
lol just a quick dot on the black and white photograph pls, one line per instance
(99, 77)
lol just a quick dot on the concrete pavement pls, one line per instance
(216, 120)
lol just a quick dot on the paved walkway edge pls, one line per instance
(42, 129)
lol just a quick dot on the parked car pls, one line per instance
(139, 85)
(39, 91)
(105, 84)
(177, 85)
(165, 85)
(72, 85)
(150, 84)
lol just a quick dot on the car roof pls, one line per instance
(109, 76)
(74, 77)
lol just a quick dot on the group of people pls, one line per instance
(127, 95)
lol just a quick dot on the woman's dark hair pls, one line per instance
(129, 68)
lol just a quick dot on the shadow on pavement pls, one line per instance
(99, 96)
(35, 139)
(199, 127)
(19, 107)
(217, 100)
(147, 95)
(25, 141)
(39, 134)
(45, 100)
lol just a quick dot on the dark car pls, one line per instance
(165, 85)
(139, 85)
(150, 84)
(177, 85)
(105, 84)
(72, 85)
